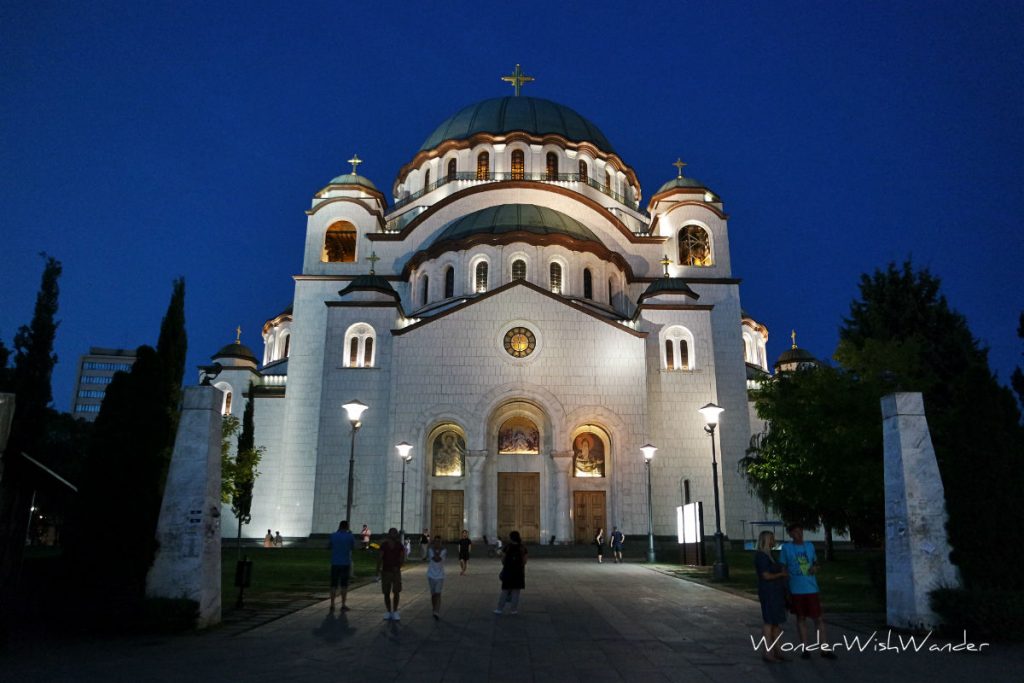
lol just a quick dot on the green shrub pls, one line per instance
(995, 614)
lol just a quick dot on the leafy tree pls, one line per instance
(1018, 375)
(5, 373)
(239, 473)
(902, 335)
(820, 460)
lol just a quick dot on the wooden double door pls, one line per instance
(589, 515)
(519, 505)
(446, 514)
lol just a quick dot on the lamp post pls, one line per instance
(355, 410)
(405, 453)
(711, 412)
(648, 451)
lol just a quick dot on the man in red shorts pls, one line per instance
(802, 563)
(389, 572)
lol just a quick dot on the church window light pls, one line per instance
(425, 296)
(583, 171)
(449, 282)
(426, 180)
(452, 167)
(481, 276)
(588, 284)
(694, 246)
(519, 269)
(340, 243)
(552, 167)
(555, 274)
(518, 165)
(361, 350)
(678, 348)
(483, 166)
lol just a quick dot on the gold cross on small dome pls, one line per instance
(665, 262)
(372, 258)
(792, 335)
(517, 79)
(355, 161)
(679, 166)
(238, 332)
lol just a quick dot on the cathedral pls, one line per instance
(516, 311)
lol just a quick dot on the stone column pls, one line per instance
(562, 461)
(475, 494)
(187, 563)
(916, 547)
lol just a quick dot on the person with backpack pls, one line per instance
(513, 574)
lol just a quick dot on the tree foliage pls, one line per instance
(1018, 375)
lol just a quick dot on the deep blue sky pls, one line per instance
(142, 141)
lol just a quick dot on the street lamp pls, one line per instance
(648, 451)
(711, 412)
(355, 410)
(405, 453)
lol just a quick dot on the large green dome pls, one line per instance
(502, 115)
(505, 218)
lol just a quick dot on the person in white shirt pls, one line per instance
(435, 573)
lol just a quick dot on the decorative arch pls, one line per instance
(360, 346)
(339, 243)
(446, 445)
(677, 349)
(695, 246)
(591, 447)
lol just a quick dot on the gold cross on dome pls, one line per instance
(517, 79)
(665, 262)
(679, 166)
(355, 161)
(373, 258)
(238, 332)
(792, 335)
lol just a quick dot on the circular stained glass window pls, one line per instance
(520, 342)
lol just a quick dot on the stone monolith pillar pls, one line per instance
(187, 563)
(916, 547)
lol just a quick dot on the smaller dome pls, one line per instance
(354, 179)
(681, 181)
(371, 282)
(668, 285)
(506, 218)
(235, 350)
(796, 359)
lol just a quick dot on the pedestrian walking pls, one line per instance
(465, 545)
(341, 544)
(268, 540)
(389, 573)
(365, 534)
(599, 542)
(424, 544)
(618, 538)
(435, 574)
(771, 592)
(513, 574)
(802, 566)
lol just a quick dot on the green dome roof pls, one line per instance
(354, 179)
(795, 355)
(496, 220)
(668, 285)
(507, 114)
(235, 350)
(371, 282)
(680, 182)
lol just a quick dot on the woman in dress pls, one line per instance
(771, 591)
(599, 542)
(513, 574)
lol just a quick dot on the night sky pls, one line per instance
(143, 141)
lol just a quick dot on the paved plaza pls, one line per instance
(578, 621)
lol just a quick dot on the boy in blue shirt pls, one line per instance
(342, 543)
(802, 563)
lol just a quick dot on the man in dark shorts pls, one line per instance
(802, 563)
(618, 538)
(342, 543)
(465, 545)
(389, 571)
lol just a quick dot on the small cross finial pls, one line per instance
(517, 79)
(373, 258)
(679, 166)
(792, 335)
(355, 161)
(665, 263)
(238, 334)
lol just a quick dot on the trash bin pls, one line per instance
(243, 573)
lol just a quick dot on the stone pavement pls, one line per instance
(578, 621)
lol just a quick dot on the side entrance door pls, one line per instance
(519, 505)
(446, 514)
(588, 515)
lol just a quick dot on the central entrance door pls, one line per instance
(446, 514)
(519, 505)
(588, 514)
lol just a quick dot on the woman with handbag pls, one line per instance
(599, 542)
(513, 574)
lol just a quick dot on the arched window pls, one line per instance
(588, 284)
(425, 295)
(694, 246)
(678, 348)
(518, 165)
(340, 243)
(360, 349)
(287, 346)
(451, 170)
(584, 177)
(555, 273)
(426, 180)
(225, 406)
(551, 167)
(481, 276)
(519, 269)
(449, 282)
(483, 166)
(608, 179)
(611, 291)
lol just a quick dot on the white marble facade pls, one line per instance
(437, 359)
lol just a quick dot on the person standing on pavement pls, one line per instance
(771, 593)
(802, 565)
(341, 543)
(618, 538)
(599, 542)
(365, 533)
(424, 544)
(465, 545)
(389, 573)
(435, 574)
(513, 574)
